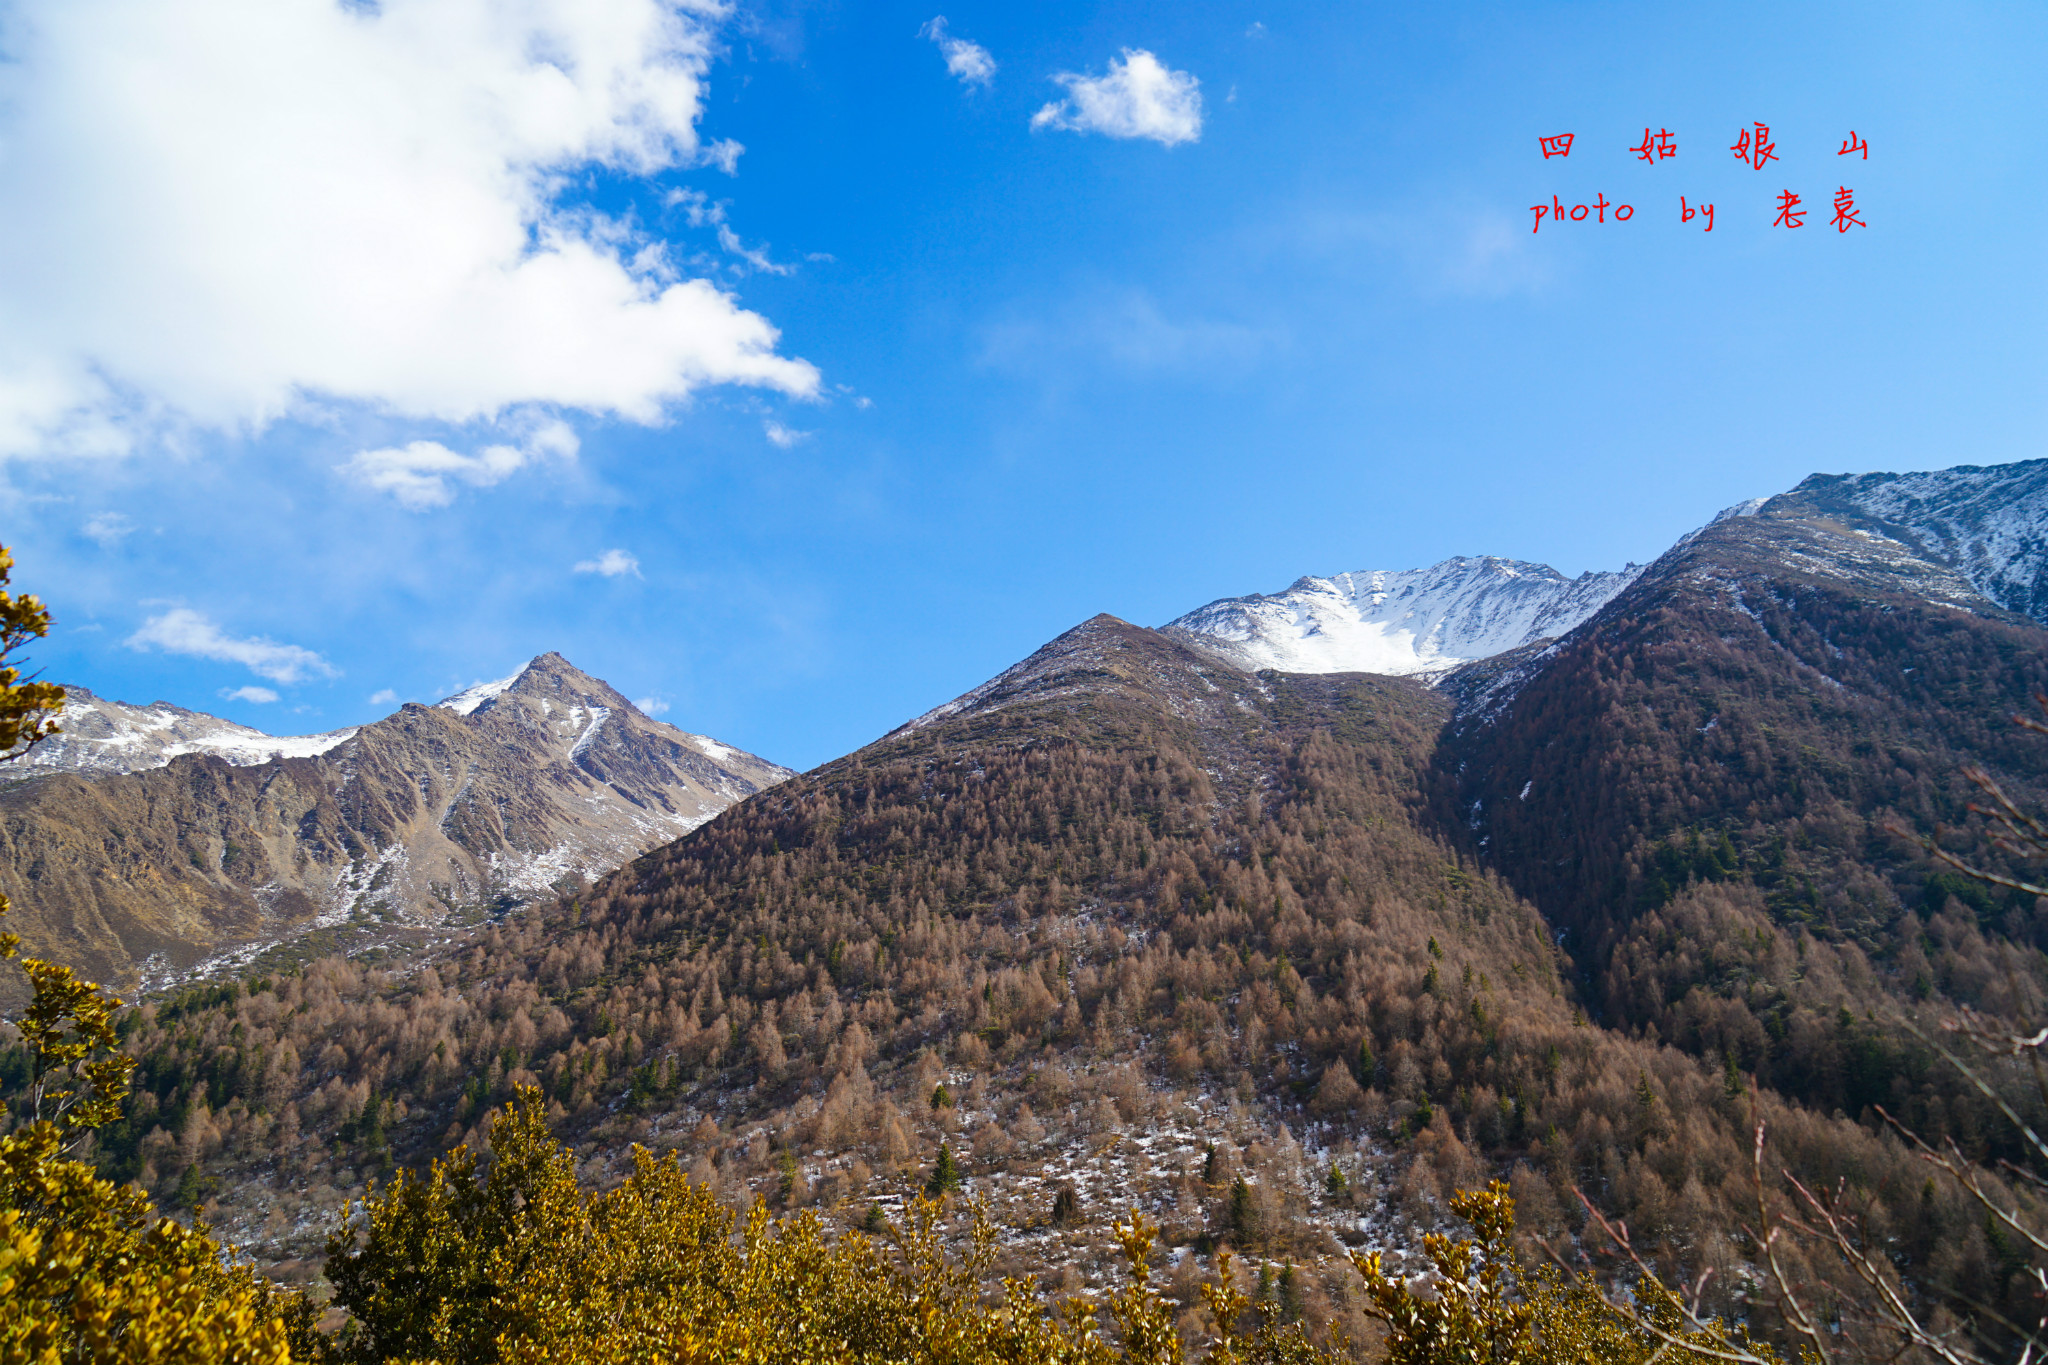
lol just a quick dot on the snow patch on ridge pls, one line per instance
(100, 736)
(467, 700)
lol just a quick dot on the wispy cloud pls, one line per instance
(418, 473)
(701, 210)
(371, 204)
(612, 564)
(383, 696)
(1446, 248)
(651, 706)
(968, 62)
(1129, 332)
(252, 694)
(184, 631)
(108, 528)
(1139, 97)
(784, 437)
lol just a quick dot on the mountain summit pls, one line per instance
(1986, 525)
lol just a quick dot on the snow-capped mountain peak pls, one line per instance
(1412, 621)
(103, 736)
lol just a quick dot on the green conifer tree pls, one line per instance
(945, 1176)
(1244, 1215)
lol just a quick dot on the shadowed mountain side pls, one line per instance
(426, 815)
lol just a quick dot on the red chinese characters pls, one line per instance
(1660, 148)
(1854, 145)
(1755, 150)
(1845, 210)
(1578, 213)
(1790, 215)
(1687, 214)
(1561, 145)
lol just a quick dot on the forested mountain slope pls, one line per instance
(1703, 776)
(433, 815)
(1120, 907)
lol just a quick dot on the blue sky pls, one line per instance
(323, 383)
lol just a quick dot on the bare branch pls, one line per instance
(1628, 1313)
(1965, 1174)
(1983, 1086)
(1892, 1308)
(1767, 1240)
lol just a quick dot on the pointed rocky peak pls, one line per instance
(552, 678)
(582, 719)
(545, 677)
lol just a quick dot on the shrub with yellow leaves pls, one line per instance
(521, 1265)
(1482, 1303)
(88, 1270)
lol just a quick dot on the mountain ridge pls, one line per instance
(101, 736)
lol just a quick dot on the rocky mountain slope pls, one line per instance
(1988, 523)
(433, 815)
(1416, 621)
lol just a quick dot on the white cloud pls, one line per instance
(651, 706)
(1139, 97)
(184, 631)
(969, 62)
(784, 437)
(255, 694)
(383, 696)
(418, 472)
(612, 564)
(215, 212)
(108, 528)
